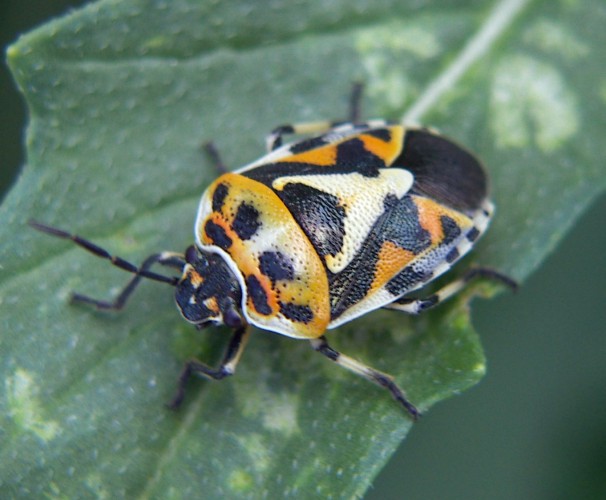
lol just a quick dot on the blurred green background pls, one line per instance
(535, 427)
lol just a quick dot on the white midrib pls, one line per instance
(499, 19)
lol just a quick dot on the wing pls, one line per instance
(386, 208)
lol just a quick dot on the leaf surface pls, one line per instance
(122, 94)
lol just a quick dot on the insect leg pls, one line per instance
(170, 259)
(213, 153)
(382, 379)
(416, 306)
(274, 139)
(355, 100)
(228, 365)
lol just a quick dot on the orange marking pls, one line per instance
(194, 278)
(212, 304)
(429, 218)
(392, 259)
(323, 156)
(387, 151)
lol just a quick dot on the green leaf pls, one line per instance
(122, 94)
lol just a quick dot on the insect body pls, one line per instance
(321, 231)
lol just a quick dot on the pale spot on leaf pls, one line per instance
(24, 408)
(380, 47)
(531, 103)
(555, 39)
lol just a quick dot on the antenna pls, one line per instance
(104, 254)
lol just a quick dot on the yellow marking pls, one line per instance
(311, 127)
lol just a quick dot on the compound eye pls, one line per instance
(191, 254)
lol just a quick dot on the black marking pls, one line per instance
(319, 214)
(473, 234)
(218, 235)
(443, 171)
(266, 174)
(407, 279)
(403, 226)
(296, 312)
(246, 222)
(450, 228)
(276, 266)
(257, 295)
(380, 133)
(366, 165)
(353, 155)
(219, 197)
(452, 255)
(307, 145)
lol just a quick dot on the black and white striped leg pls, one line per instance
(227, 367)
(275, 139)
(169, 259)
(382, 379)
(416, 306)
